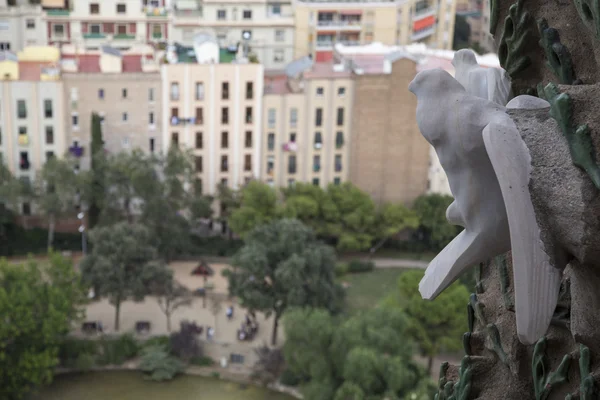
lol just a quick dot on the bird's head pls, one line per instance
(464, 57)
(432, 82)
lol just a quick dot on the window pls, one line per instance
(174, 91)
(49, 135)
(121, 8)
(151, 145)
(318, 140)
(315, 181)
(248, 139)
(224, 115)
(224, 165)
(49, 155)
(21, 109)
(339, 139)
(340, 116)
(151, 94)
(124, 117)
(151, 118)
(338, 162)
(26, 209)
(199, 119)
(121, 29)
(337, 181)
(271, 117)
(199, 91)
(271, 141)
(248, 162)
(320, 91)
(124, 93)
(221, 14)
(174, 116)
(59, 30)
(341, 91)
(249, 90)
(270, 165)
(224, 140)
(4, 46)
(101, 93)
(24, 160)
(247, 14)
(278, 55)
(125, 141)
(175, 139)
(198, 163)
(48, 108)
(279, 35)
(319, 117)
(316, 163)
(30, 24)
(224, 90)
(292, 164)
(224, 183)
(199, 140)
(293, 137)
(248, 115)
(75, 121)
(95, 29)
(94, 8)
(276, 9)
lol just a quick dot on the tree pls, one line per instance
(38, 304)
(269, 366)
(56, 189)
(258, 206)
(97, 176)
(10, 189)
(434, 229)
(170, 296)
(184, 343)
(434, 325)
(394, 218)
(365, 356)
(462, 33)
(158, 365)
(283, 265)
(122, 264)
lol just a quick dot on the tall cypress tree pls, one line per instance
(97, 169)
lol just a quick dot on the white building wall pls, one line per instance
(21, 26)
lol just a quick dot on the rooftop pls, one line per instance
(327, 70)
(33, 71)
(90, 63)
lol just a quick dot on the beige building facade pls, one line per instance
(307, 125)
(21, 25)
(124, 89)
(215, 110)
(322, 24)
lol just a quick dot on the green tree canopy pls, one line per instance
(122, 265)
(434, 325)
(283, 265)
(38, 303)
(258, 206)
(434, 229)
(94, 195)
(366, 356)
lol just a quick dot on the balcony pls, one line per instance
(423, 33)
(23, 140)
(425, 12)
(340, 24)
(157, 35)
(188, 13)
(123, 36)
(76, 151)
(94, 36)
(349, 42)
(156, 11)
(58, 13)
(324, 44)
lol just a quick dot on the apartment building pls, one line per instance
(124, 88)
(31, 110)
(266, 26)
(21, 25)
(307, 124)
(215, 110)
(121, 24)
(321, 24)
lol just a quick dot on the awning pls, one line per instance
(351, 12)
(424, 23)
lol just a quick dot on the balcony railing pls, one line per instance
(324, 44)
(425, 12)
(156, 11)
(123, 36)
(156, 35)
(339, 23)
(188, 13)
(349, 42)
(423, 33)
(58, 13)
(94, 36)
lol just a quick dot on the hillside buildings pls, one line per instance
(21, 24)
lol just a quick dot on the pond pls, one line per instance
(130, 385)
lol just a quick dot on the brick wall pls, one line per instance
(389, 157)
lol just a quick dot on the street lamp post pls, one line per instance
(80, 216)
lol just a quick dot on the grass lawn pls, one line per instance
(391, 253)
(368, 288)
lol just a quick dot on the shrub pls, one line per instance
(117, 351)
(341, 269)
(215, 375)
(289, 378)
(185, 344)
(158, 365)
(163, 341)
(22, 241)
(202, 361)
(269, 366)
(84, 362)
(356, 266)
(71, 349)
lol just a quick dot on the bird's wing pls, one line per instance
(536, 282)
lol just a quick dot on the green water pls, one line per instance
(129, 385)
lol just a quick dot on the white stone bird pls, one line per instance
(488, 167)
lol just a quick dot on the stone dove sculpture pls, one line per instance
(488, 168)
(491, 84)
